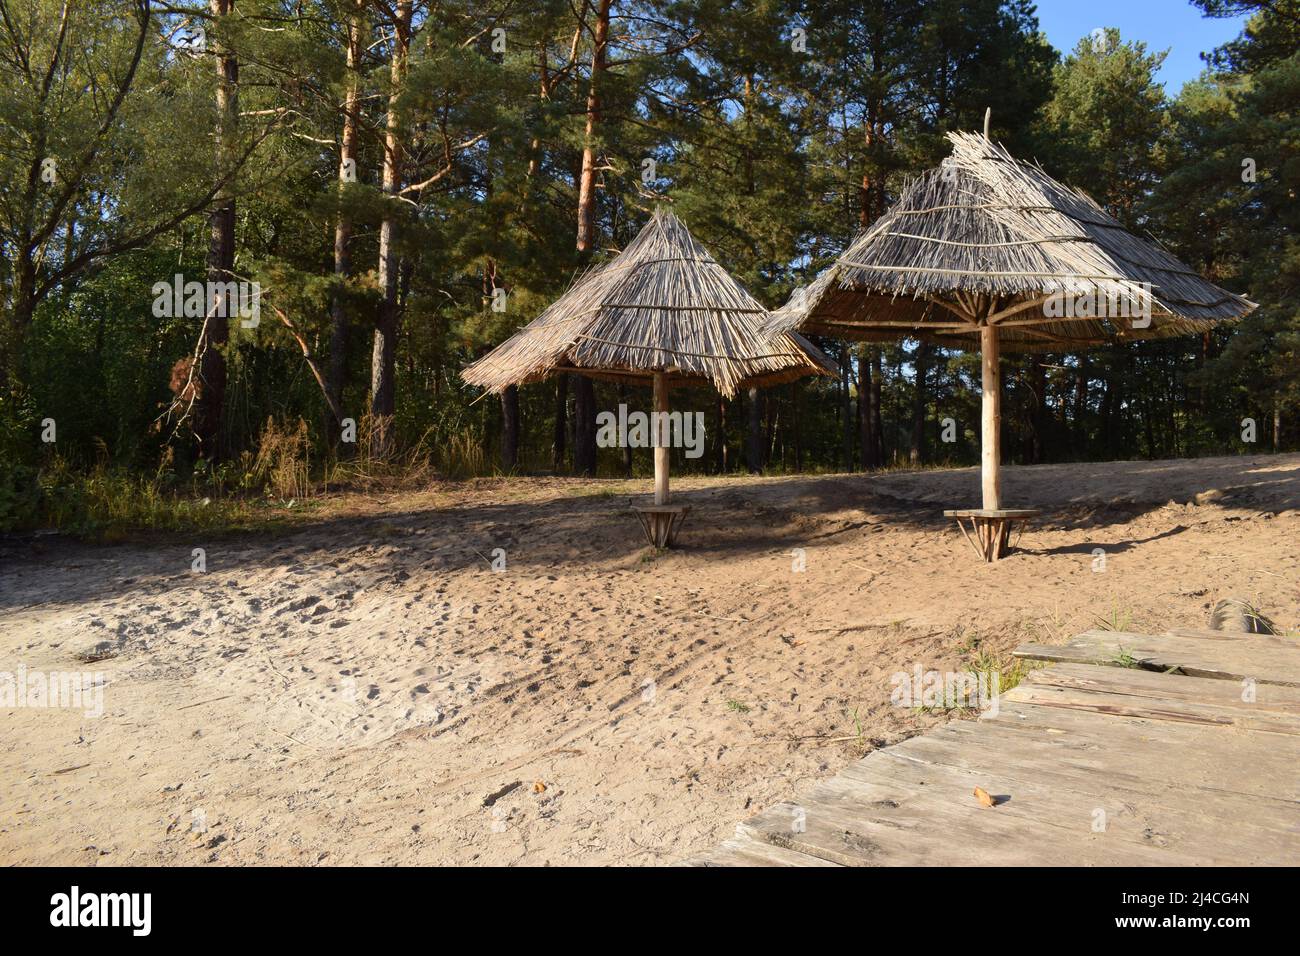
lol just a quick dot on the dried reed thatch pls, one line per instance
(986, 238)
(663, 305)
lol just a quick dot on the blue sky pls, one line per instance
(1175, 25)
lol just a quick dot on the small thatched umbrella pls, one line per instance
(993, 253)
(662, 313)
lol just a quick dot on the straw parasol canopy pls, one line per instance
(992, 253)
(663, 312)
(987, 239)
(663, 305)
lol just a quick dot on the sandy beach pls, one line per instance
(367, 688)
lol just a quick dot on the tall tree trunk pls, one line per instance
(544, 86)
(559, 436)
(584, 426)
(587, 179)
(1106, 414)
(584, 408)
(510, 428)
(1037, 414)
(20, 318)
(1148, 430)
(754, 437)
(846, 406)
(1081, 403)
(871, 201)
(343, 224)
(771, 412)
(627, 448)
(383, 387)
(877, 416)
(866, 422)
(211, 398)
(510, 421)
(720, 462)
(796, 411)
(921, 363)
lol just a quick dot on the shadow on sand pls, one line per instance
(578, 526)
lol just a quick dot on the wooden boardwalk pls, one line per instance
(1127, 749)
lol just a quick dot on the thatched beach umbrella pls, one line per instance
(662, 313)
(992, 253)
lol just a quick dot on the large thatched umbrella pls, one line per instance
(991, 253)
(662, 313)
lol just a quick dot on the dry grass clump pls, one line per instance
(283, 461)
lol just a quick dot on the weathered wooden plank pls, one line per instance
(1215, 794)
(1209, 634)
(744, 850)
(912, 804)
(1135, 693)
(1276, 698)
(1146, 755)
(1090, 765)
(1106, 773)
(1087, 808)
(1266, 658)
(861, 823)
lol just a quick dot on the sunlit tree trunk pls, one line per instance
(584, 396)
(383, 357)
(587, 178)
(343, 224)
(221, 257)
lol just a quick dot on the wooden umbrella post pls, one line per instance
(956, 237)
(992, 523)
(662, 313)
(661, 439)
(662, 520)
(991, 418)
(991, 404)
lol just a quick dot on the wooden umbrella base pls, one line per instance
(991, 528)
(661, 522)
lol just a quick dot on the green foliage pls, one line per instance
(1228, 199)
(774, 152)
(20, 490)
(1105, 118)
